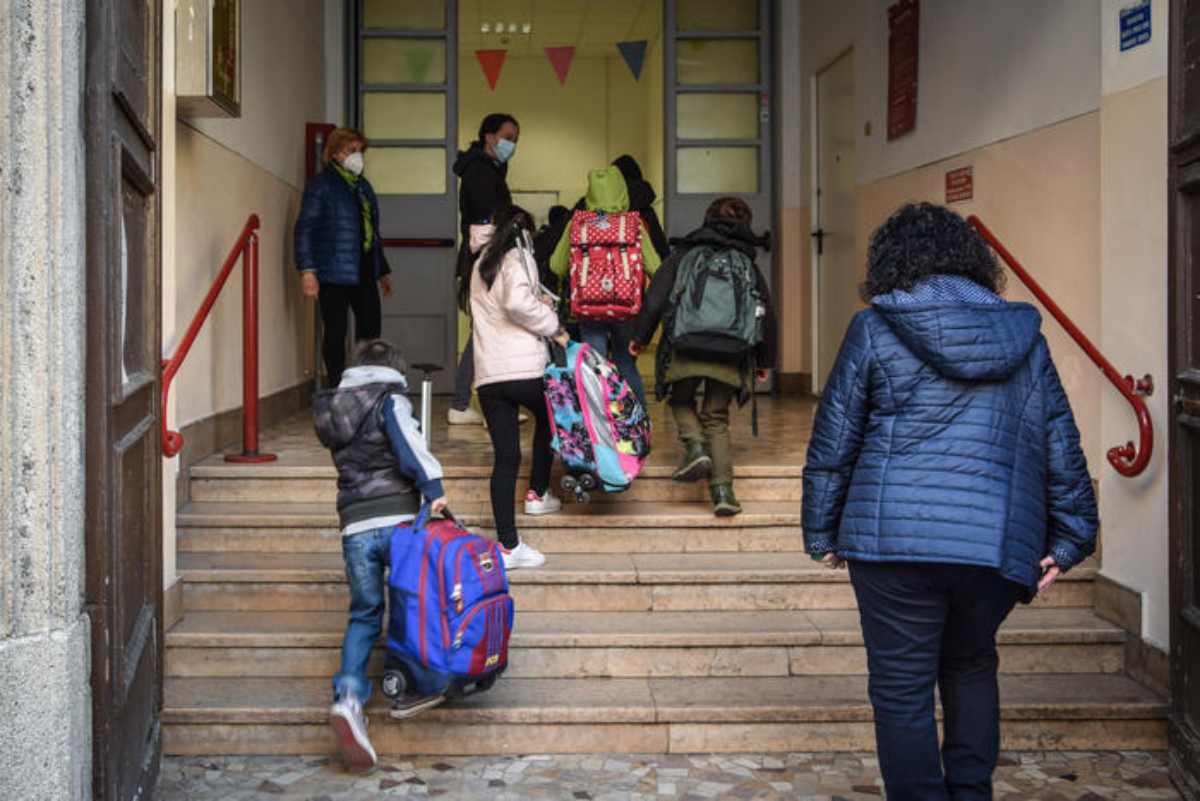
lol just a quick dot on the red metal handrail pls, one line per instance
(245, 248)
(1126, 459)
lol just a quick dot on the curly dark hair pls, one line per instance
(924, 239)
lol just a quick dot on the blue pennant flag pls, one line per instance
(634, 54)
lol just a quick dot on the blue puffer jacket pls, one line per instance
(944, 435)
(329, 230)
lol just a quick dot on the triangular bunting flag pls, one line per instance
(634, 54)
(560, 59)
(492, 62)
(419, 59)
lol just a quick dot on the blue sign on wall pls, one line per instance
(1135, 25)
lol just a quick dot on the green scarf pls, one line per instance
(364, 201)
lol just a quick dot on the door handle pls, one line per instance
(1187, 406)
(819, 235)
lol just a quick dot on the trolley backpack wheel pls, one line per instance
(395, 683)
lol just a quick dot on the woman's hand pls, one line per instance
(309, 285)
(636, 348)
(385, 286)
(1050, 573)
(832, 561)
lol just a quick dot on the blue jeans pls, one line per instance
(597, 335)
(367, 555)
(927, 624)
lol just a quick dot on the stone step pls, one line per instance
(635, 644)
(214, 716)
(297, 582)
(620, 528)
(214, 483)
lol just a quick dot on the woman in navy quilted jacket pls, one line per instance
(338, 249)
(945, 468)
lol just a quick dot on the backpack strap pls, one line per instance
(583, 244)
(624, 249)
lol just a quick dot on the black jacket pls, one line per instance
(657, 302)
(483, 187)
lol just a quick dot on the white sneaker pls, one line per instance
(466, 417)
(350, 727)
(522, 556)
(545, 505)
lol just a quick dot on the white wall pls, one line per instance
(335, 63)
(283, 86)
(1134, 291)
(988, 70)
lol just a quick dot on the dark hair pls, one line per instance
(493, 123)
(378, 353)
(924, 239)
(509, 223)
(729, 208)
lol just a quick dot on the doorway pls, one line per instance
(835, 273)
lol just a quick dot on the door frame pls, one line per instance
(815, 213)
(1183, 367)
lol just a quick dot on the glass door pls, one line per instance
(717, 115)
(405, 102)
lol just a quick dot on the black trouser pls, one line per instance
(500, 404)
(927, 624)
(335, 301)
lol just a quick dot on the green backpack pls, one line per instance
(717, 310)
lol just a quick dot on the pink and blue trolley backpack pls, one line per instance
(451, 614)
(600, 429)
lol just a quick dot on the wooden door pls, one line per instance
(123, 451)
(1184, 327)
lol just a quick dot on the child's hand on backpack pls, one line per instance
(438, 506)
(636, 348)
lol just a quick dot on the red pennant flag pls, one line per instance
(560, 59)
(492, 62)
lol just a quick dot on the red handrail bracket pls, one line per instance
(245, 249)
(1128, 459)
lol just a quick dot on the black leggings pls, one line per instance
(335, 302)
(500, 404)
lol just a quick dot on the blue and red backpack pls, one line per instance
(451, 615)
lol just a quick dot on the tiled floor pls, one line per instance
(1040, 776)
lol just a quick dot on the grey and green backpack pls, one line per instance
(717, 310)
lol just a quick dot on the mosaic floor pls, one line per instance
(1041, 776)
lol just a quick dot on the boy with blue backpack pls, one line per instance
(384, 472)
(719, 334)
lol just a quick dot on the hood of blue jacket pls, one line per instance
(960, 329)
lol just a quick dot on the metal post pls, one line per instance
(250, 452)
(427, 409)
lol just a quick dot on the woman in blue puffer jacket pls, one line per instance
(945, 468)
(338, 248)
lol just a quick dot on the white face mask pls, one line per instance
(354, 163)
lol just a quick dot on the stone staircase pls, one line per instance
(653, 628)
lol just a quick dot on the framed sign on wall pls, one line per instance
(208, 70)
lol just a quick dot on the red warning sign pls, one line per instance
(960, 184)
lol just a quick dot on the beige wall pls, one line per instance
(1133, 205)
(215, 174)
(1040, 194)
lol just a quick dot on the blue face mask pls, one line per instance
(504, 149)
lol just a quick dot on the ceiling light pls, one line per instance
(499, 26)
(527, 28)
(485, 27)
(512, 27)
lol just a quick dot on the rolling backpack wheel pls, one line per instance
(395, 683)
(568, 484)
(486, 683)
(587, 482)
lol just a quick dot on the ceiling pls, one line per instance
(593, 27)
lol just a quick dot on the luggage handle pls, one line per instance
(426, 512)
